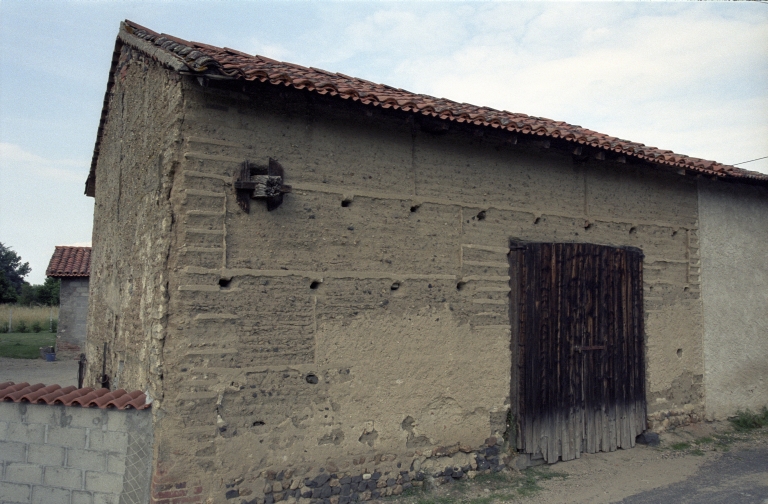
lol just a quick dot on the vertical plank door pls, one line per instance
(578, 377)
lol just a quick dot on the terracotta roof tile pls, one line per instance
(70, 262)
(72, 396)
(218, 62)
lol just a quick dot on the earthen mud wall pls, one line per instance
(365, 321)
(734, 241)
(133, 226)
(361, 328)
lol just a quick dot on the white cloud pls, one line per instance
(686, 79)
(41, 205)
(270, 50)
(13, 158)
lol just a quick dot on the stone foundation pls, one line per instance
(660, 421)
(428, 468)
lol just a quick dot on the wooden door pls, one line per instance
(578, 377)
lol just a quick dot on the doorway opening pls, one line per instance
(578, 370)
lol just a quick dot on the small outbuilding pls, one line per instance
(72, 266)
(332, 289)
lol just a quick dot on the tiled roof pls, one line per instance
(70, 262)
(224, 63)
(72, 396)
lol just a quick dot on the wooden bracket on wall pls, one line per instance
(260, 182)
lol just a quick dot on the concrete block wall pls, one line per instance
(73, 317)
(73, 455)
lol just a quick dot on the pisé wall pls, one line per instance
(363, 326)
(735, 296)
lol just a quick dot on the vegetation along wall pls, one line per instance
(360, 331)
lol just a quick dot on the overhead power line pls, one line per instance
(758, 159)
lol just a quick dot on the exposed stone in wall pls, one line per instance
(427, 468)
(73, 316)
(133, 225)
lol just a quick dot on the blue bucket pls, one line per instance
(50, 357)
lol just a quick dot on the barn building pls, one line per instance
(322, 282)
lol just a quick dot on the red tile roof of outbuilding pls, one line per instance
(223, 63)
(70, 262)
(72, 396)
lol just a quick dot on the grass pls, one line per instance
(747, 420)
(25, 345)
(28, 319)
(484, 489)
(744, 424)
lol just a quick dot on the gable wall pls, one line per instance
(133, 226)
(407, 330)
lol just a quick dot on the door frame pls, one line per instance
(637, 412)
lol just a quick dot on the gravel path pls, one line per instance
(33, 371)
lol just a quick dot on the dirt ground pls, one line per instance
(60, 372)
(612, 477)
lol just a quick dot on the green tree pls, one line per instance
(49, 291)
(12, 273)
(45, 294)
(7, 292)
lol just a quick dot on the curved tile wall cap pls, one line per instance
(72, 396)
(8, 388)
(85, 400)
(18, 394)
(51, 398)
(103, 401)
(33, 396)
(135, 399)
(67, 399)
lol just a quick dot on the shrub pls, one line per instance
(747, 420)
(54, 326)
(21, 326)
(36, 327)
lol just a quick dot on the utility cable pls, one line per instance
(758, 159)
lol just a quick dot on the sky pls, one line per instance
(691, 77)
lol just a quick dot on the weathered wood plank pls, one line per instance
(580, 372)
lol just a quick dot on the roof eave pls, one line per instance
(164, 49)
